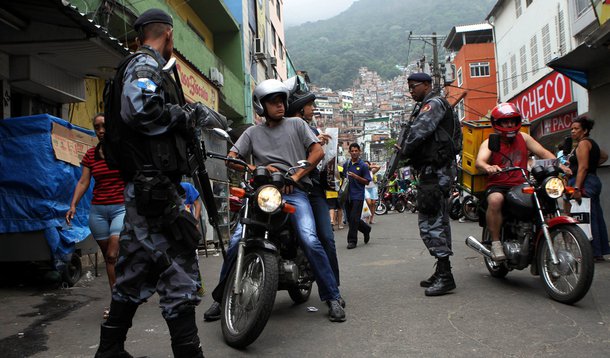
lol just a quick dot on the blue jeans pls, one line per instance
(599, 231)
(304, 225)
(324, 229)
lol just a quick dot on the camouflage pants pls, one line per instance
(148, 263)
(435, 229)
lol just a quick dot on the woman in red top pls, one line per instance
(107, 207)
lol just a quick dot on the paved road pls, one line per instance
(388, 314)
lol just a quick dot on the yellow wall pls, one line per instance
(82, 113)
(187, 14)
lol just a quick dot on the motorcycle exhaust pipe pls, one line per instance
(477, 246)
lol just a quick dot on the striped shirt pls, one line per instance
(109, 186)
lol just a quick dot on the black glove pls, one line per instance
(206, 117)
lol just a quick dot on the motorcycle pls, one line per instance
(235, 206)
(382, 206)
(535, 234)
(455, 202)
(470, 207)
(268, 256)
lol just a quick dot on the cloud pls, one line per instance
(297, 12)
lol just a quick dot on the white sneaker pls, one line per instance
(497, 252)
(462, 220)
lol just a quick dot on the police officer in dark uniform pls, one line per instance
(158, 240)
(430, 146)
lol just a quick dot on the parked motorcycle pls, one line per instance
(383, 205)
(268, 256)
(455, 202)
(470, 207)
(535, 234)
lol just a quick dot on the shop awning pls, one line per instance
(583, 64)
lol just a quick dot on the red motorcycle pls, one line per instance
(535, 234)
(383, 205)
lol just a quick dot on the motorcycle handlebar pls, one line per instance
(229, 159)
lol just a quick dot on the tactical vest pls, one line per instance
(445, 143)
(133, 151)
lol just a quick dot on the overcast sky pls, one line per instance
(297, 12)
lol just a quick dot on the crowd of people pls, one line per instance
(133, 206)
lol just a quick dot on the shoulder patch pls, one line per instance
(147, 84)
(426, 108)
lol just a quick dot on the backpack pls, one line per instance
(113, 122)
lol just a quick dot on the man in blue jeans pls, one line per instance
(279, 144)
(358, 174)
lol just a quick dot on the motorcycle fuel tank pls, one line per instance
(519, 204)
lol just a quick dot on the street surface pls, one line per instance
(387, 312)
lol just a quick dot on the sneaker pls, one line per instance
(367, 237)
(335, 311)
(351, 245)
(213, 313)
(341, 301)
(497, 252)
(462, 220)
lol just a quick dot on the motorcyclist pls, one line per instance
(282, 142)
(514, 147)
(301, 104)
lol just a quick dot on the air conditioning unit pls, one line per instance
(216, 77)
(259, 48)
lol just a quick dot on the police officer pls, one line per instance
(159, 237)
(431, 145)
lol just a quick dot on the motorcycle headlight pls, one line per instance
(554, 188)
(269, 199)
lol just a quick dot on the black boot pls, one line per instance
(183, 330)
(430, 280)
(444, 280)
(114, 331)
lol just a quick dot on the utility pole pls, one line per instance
(436, 71)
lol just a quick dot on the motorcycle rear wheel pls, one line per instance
(470, 208)
(400, 206)
(301, 293)
(569, 281)
(496, 269)
(380, 208)
(245, 314)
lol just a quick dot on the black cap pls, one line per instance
(419, 77)
(151, 16)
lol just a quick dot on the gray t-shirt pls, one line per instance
(283, 145)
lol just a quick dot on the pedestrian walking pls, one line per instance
(358, 174)
(370, 191)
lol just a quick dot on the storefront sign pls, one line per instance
(545, 96)
(70, 145)
(556, 124)
(195, 87)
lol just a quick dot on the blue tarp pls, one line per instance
(36, 188)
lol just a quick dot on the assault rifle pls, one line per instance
(405, 127)
(199, 173)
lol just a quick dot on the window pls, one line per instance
(582, 6)
(505, 78)
(459, 77)
(273, 37)
(513, 72)
(546, 43)
(281, 50)
(518, 7)
(523, 58)
(534, 53)
(561, 33)
(278, 9)
(528, 2)
(479, 69)
(461, 112)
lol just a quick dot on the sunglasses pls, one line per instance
(412, 87)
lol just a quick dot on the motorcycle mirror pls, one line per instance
(221, 133)
(567, 145)
(494, 142)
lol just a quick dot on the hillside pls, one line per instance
(374, 33)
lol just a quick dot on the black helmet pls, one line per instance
(300, 95)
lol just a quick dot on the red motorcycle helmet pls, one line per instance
(503, 112)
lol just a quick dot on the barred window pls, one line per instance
(479, 69)
(460, 80)
(461, 112)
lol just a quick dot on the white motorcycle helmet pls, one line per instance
(267, 89)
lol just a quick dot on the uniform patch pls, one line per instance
(426, 108)
(147, 84)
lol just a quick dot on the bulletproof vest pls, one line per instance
(446, 142)
(166, 152)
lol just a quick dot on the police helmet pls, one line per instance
(267, 90)
(503, 112)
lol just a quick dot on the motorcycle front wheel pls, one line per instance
(470, 208)
(570, 280)
(496, 269)
(380, 208)
(246, 313)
